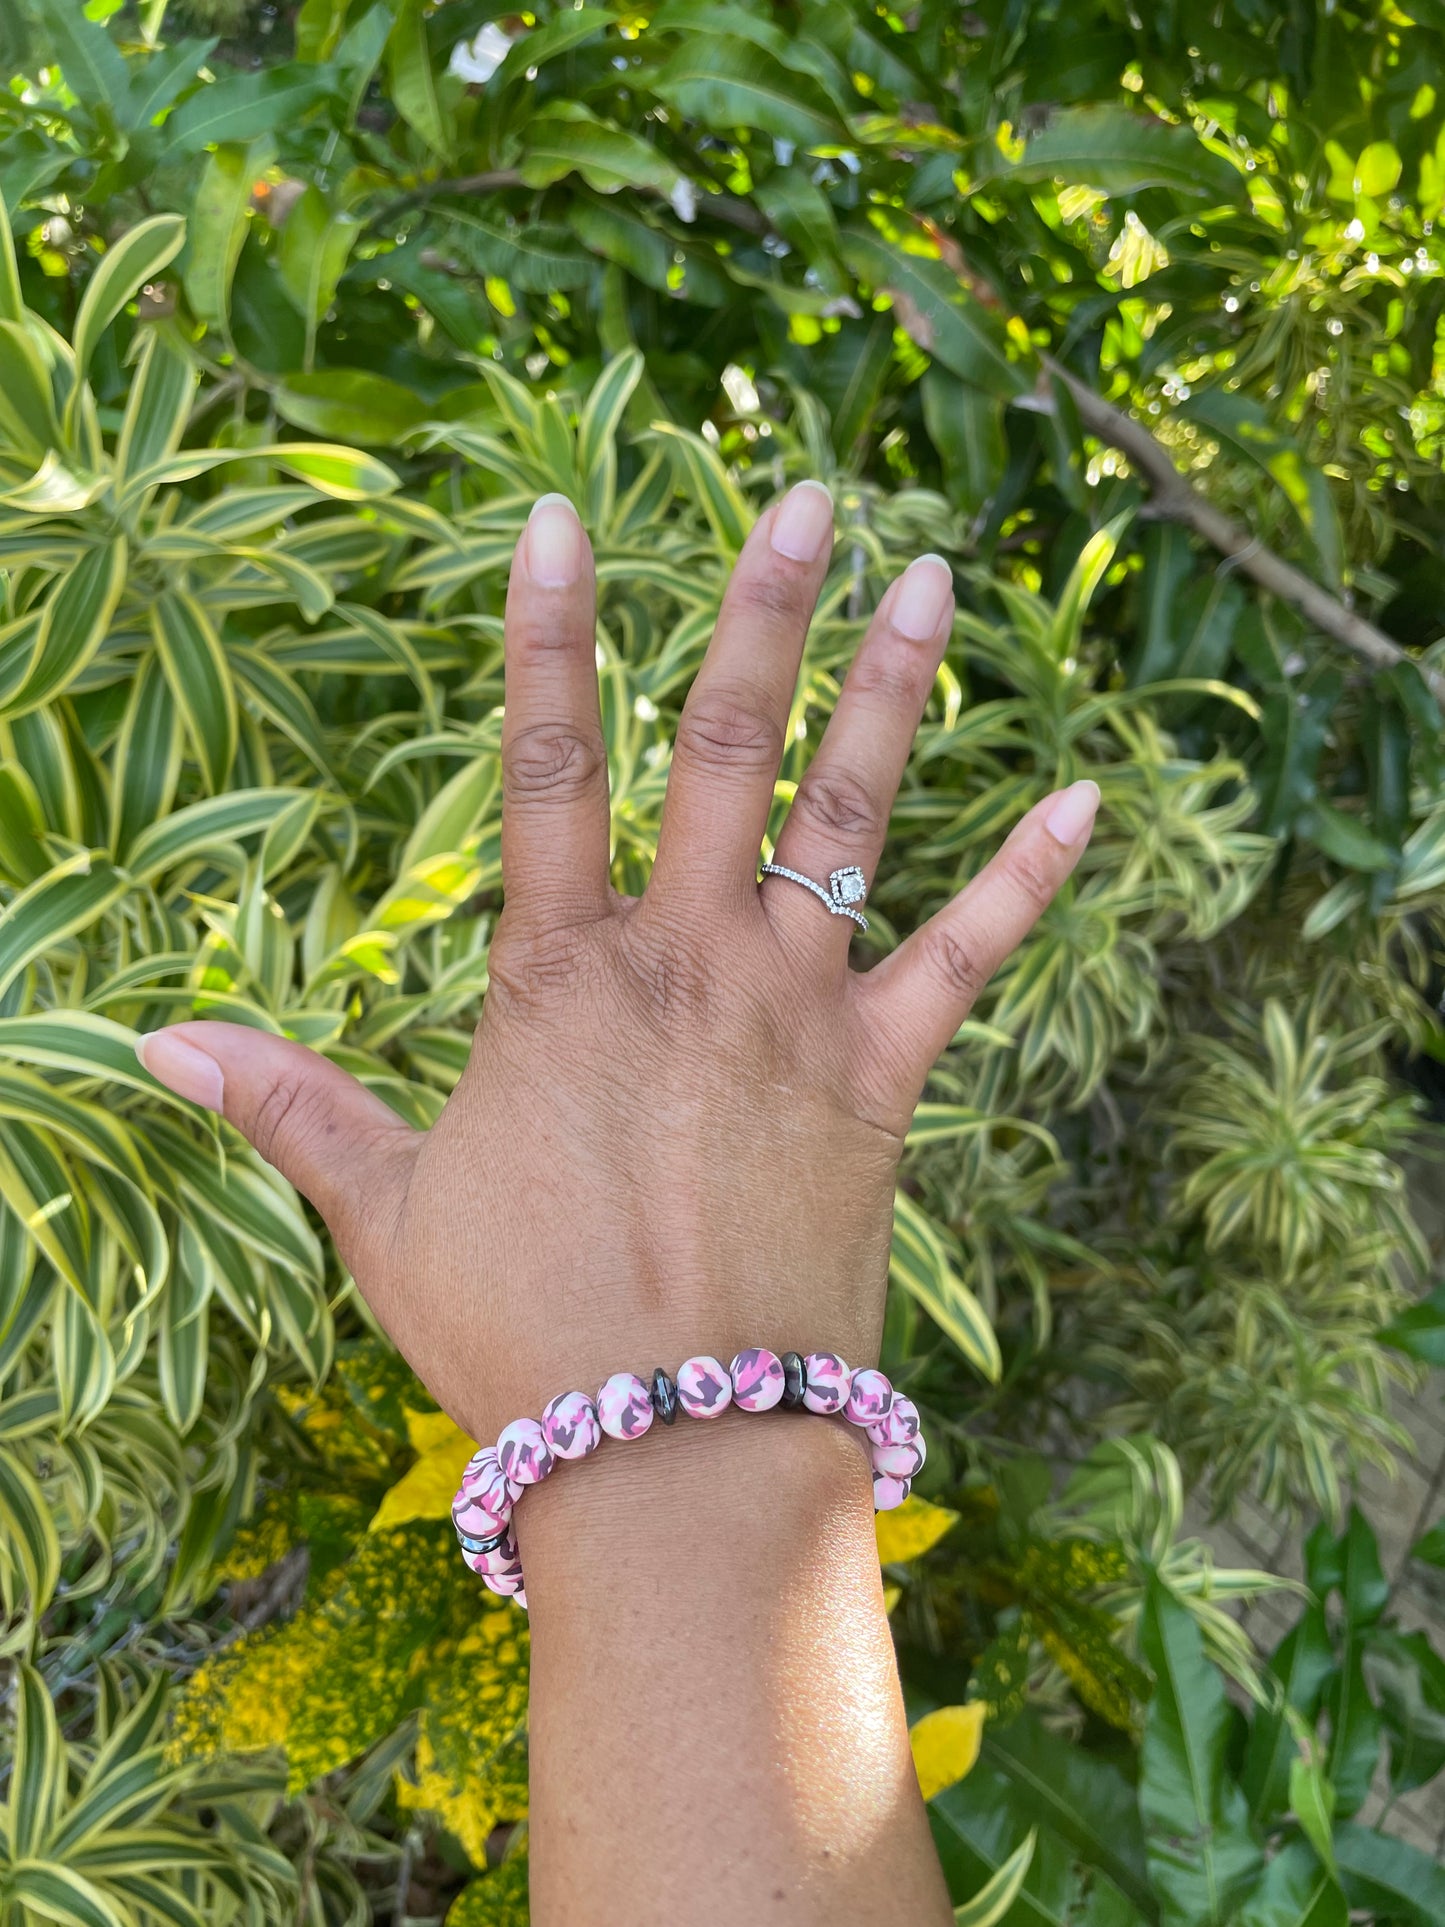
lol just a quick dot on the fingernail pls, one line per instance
(1073, 812)
(921, 599)
(554, 542)
(803, 523)
(181, 1068)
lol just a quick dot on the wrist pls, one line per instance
(728, 1491)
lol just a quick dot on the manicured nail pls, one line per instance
(554, 542)
(181, 1068)
(925, 589)
(1072, 815)
(803, 523)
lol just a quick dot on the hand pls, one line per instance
(677, 1133)
(680, 1123)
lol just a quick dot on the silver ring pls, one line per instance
(846, 887)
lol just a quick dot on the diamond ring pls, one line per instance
(846, 887)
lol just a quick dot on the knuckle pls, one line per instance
(957, 965)
(730, 732)
(840, 804)
(1030, 879)
(553, 761)
(773, 597)
(289, 1114)
(894, 676)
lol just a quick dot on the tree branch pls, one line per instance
(1176, 498)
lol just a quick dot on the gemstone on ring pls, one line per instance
(848, 885)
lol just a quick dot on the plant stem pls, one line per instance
(1176, 497)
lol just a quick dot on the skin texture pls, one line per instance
(677, 1133)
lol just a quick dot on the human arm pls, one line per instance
(677, 1133)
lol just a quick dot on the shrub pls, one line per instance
(249, 690)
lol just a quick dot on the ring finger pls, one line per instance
(839, 816)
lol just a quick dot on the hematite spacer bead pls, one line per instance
(795, 1381)
(469, 1544)
(664, 1396)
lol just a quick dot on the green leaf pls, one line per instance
(1295, 1891)
(1245, 430)
(1382, 1874)
(246, 106)
(29, 1543)
(966, 426)
(159, 403)
(566, 138)
(316, 244)
(1203, 1858)
(85, 53)
(1407, 1676)
(980, 1823)
(597, 435)
(193, 833)
(1120, 151)
(994, 1899)
(1312, 1801)
(1303, 1664)
(344, 473)
(75, 622)
(1420, 1331)
(949, 323)
(352, 405)
(62, 903)
(147, 758)
(413, 79)
(12, 302)
(27, 402)
(200, 680)
(708, 484)
(1344, 838)
(920, 1264)
(126, 266)
(725, 83)
(219, 217)
(1377, 171)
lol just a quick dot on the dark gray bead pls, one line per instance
(795, 1381)
(469, 1544)
(664, 1396)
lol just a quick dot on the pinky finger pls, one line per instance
(913, 1002)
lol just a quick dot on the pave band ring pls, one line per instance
(846, 887)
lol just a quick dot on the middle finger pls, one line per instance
(730, 735)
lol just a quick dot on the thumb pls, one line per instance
(341, 1147)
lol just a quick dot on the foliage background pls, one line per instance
(295, 326)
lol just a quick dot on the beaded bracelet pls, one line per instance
(572, 1427)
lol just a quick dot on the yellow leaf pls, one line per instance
(945, 1745)
(910, 1529)
(426, 1489)
(891, 1597)
(429, 1430)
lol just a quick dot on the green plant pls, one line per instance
(249, 697)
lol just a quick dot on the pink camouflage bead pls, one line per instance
(507, 1584)
(523, 1452)
(757, 1378)
(900, 1461)
(502, 1558)
(900, 1427)
(624, 1406)
(570, 1426)
(704, 1388)
(829, 1382)
(869, 1398)
(476, 1520)
(487, 1486)
(888, 1492)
